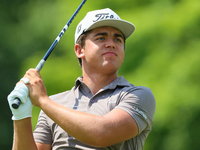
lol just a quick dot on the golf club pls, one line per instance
(17, 101)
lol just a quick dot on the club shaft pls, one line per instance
(39, 66)
(63, 31)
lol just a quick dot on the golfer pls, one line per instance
(102, 111)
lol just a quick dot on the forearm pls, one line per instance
(23, 135)
(82, 126)
(94, 130)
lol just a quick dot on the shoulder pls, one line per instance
(142, 95)
(143, 92)
(139, 98)
(146, 98)
(139, 102)
(140, 91)
(128, 88)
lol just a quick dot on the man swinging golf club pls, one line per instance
(102, 111)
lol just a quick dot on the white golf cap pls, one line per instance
(103, 17)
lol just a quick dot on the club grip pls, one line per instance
(16, 103)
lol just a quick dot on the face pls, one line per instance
(103, 50)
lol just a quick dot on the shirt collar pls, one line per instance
(120, 81)
(79, 80)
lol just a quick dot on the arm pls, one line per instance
(42, 146)
(23, 135)
(99, 131)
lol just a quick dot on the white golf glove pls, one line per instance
(25, 109)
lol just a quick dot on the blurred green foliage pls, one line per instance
(162, 54)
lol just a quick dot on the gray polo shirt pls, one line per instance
(138, 101)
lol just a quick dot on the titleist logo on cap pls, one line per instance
(104, 16)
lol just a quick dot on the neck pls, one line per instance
(96, 81)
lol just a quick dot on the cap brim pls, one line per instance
(125, 27)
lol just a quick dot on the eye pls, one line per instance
(101, 38)
(118, 40)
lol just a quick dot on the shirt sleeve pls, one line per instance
(140, 104)
(42, 132)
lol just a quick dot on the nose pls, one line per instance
(110, 43)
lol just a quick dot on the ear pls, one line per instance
(79, 51)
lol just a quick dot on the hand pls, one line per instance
(37, 90)
(25, 110)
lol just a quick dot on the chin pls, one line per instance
(110, 68)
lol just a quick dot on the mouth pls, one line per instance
(110, 54)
